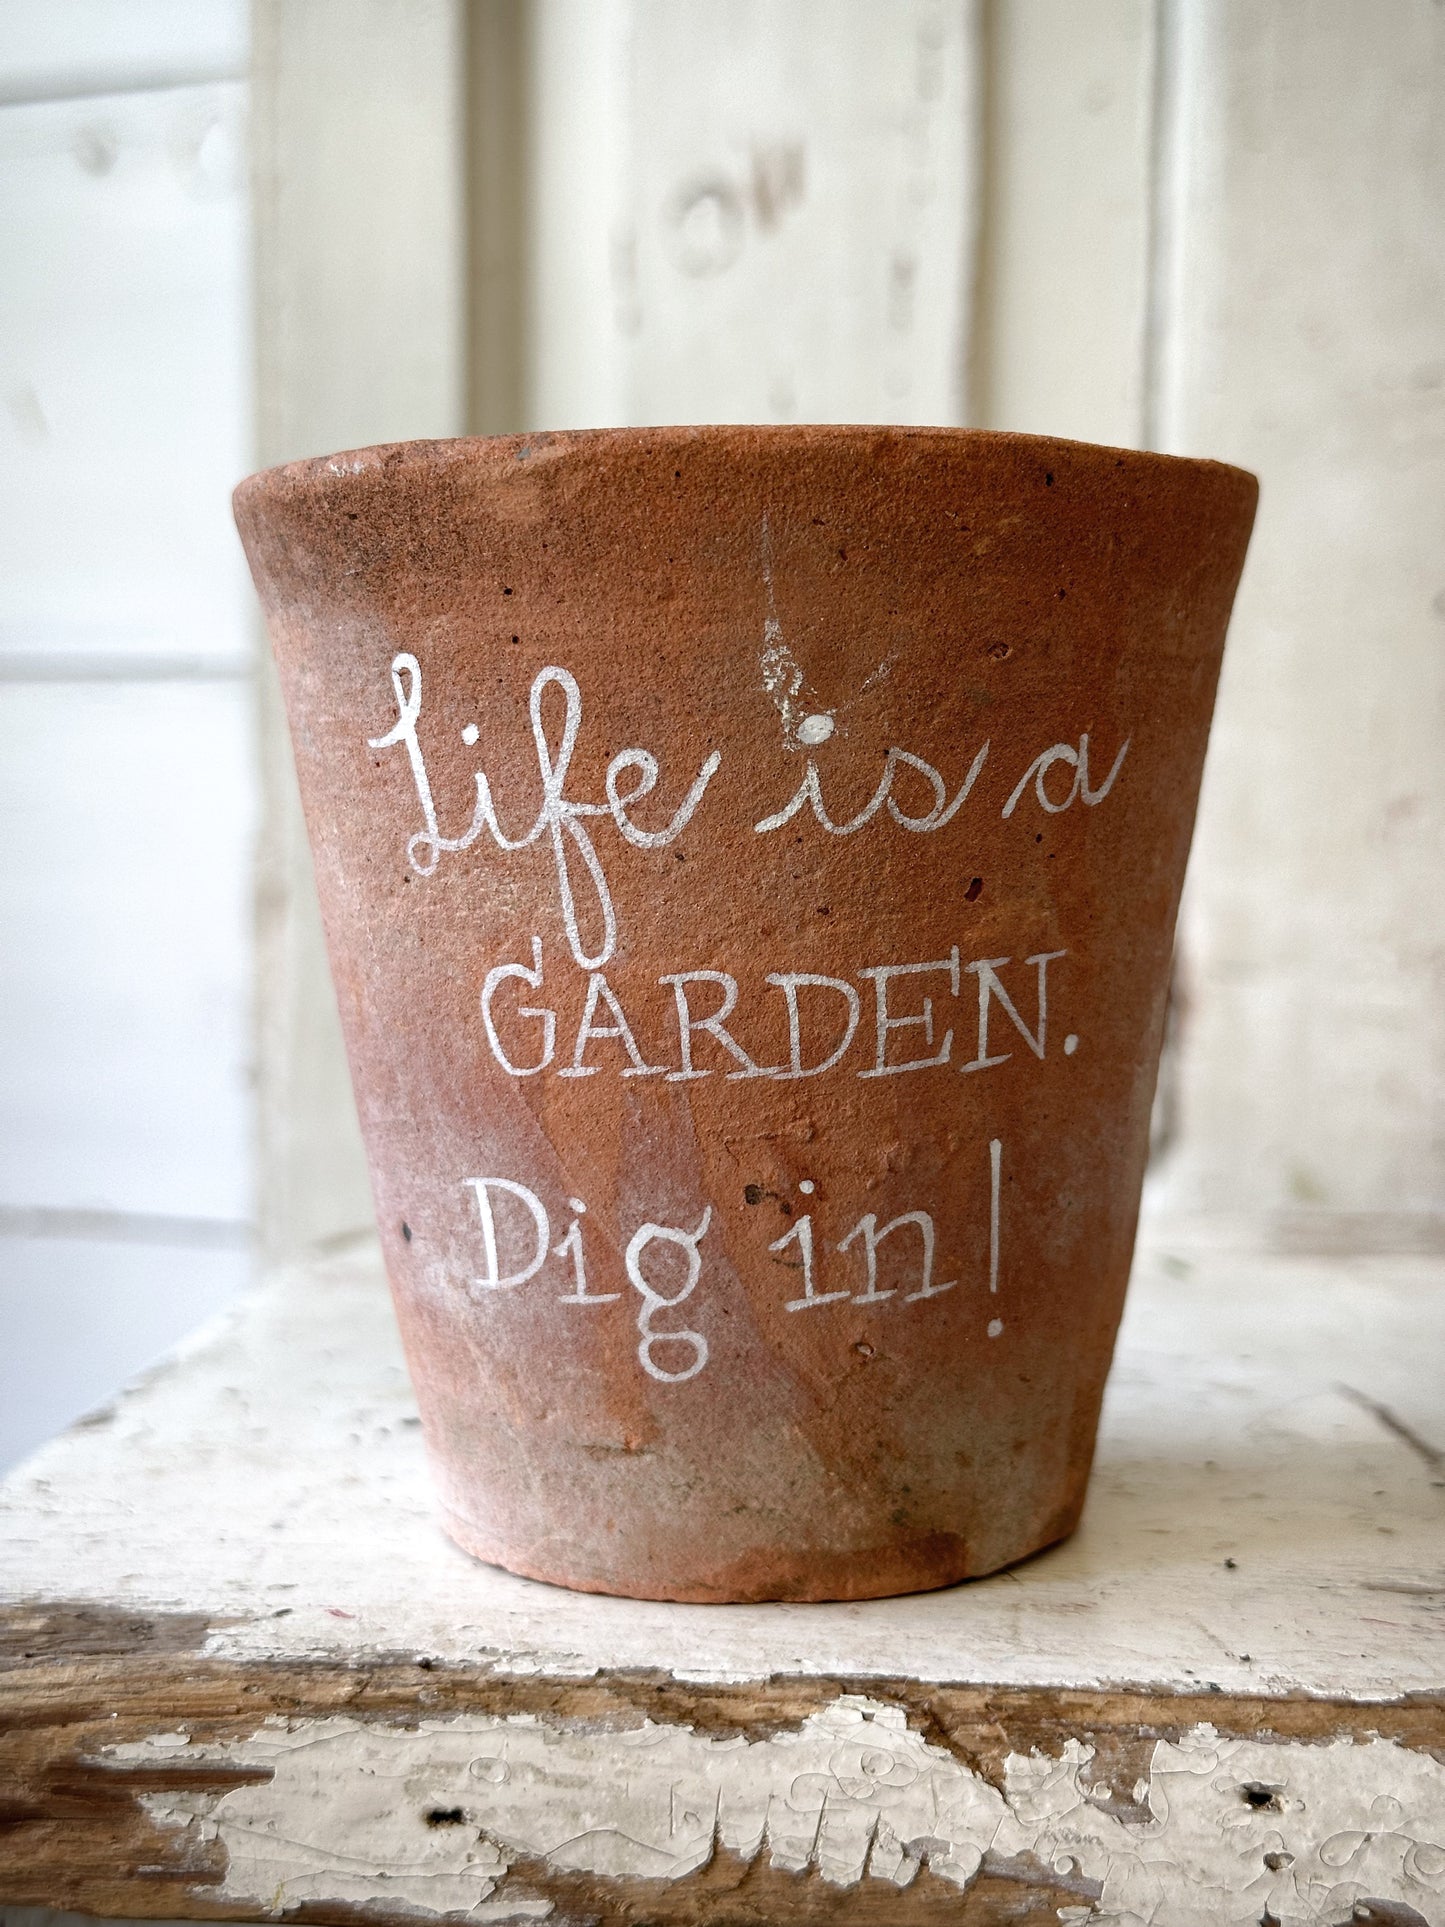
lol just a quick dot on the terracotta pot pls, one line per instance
(750, 860)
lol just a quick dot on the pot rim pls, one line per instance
(443, 452)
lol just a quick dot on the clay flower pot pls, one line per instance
(750, 860)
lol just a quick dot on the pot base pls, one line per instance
(929, 1563)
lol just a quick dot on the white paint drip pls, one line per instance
(782, 674)
(783, 677)
(433, 1816)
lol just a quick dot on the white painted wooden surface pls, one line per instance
(128, 787)
(1265, 1518)
(1305, 338)
(277, 1465)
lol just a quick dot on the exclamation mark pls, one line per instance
(995, 1168)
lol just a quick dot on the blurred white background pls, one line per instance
(129, 788)
(1209, 226)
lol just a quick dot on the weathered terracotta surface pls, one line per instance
(982, 667)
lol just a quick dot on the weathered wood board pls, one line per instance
(243, 1670)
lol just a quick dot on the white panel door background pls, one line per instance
(128, 779)
(1202, 225)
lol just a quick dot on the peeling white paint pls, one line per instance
(433, 1816)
